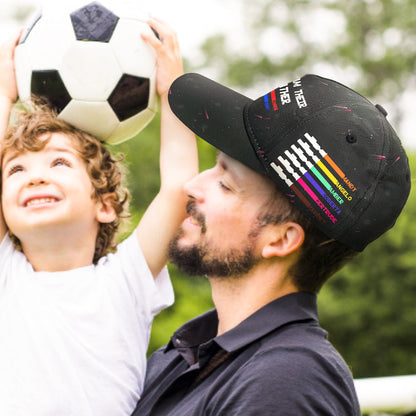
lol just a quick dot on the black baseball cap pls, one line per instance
(328, 148)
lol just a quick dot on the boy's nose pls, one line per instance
(36, 181)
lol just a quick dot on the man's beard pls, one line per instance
(202, 259)
(197, 260)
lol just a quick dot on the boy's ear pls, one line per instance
(105, 210)
(284, 239)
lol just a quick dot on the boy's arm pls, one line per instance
(8, 96)
(178, 157)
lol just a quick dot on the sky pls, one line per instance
(192, 20)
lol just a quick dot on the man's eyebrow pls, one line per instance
(222, 162)
(234, 174)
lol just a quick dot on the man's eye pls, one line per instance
(224, 187)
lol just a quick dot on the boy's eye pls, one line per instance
(15, 169)
(60, 161)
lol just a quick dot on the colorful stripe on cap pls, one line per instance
(311, 182)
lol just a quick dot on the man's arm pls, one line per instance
(8, 96)
(178, 157)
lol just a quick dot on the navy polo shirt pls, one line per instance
(276, 362)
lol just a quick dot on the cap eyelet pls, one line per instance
(350, 138)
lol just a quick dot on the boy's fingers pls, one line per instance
(151, 39)
(10, 44)
(13, 41)
(18, 35)
(164, 31)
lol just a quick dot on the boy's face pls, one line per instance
(49, 189)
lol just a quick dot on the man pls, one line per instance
(306, 177)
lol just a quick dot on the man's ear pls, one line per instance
(284, 239)
(105, 210)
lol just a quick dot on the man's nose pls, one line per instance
(194, 187)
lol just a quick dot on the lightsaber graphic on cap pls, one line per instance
(307, 189)
(317, 174)
(296, 191)
(312, 181)
(296, 156)
(324, 169)
(312, 140)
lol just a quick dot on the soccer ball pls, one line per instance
(92, 66)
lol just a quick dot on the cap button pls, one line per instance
(381, 109)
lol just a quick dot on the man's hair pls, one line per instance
(319, 257)
(104, 170)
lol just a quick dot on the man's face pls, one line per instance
(47, 189)
(222, 235)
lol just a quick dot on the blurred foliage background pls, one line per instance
(368, 308)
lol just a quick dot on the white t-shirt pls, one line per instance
(74, 342)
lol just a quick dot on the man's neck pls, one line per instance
(236, 298)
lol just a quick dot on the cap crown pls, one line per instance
(335, 156)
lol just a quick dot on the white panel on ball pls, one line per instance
(138, 57)
(54, 47)
(95, 117)
(90, 70)
(127, 128)
(127, 9)
(22, 70)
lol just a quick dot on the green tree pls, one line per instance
(368, 44)
(368, 307)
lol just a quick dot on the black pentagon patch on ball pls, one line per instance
(94, 22)
(48, 85)
(130, 96)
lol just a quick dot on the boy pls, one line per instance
(75, 320)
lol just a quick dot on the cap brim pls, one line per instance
(216, 114)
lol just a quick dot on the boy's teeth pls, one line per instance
(39, 201)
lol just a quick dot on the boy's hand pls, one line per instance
(178, 156)
(169, 60)
(8, 87)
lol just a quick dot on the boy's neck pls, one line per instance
(59, 254)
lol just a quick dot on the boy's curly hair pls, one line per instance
(104, 170)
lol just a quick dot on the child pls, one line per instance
(74, 319)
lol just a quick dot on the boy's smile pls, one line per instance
(39, 201)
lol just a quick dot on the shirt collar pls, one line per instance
(295, 307)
